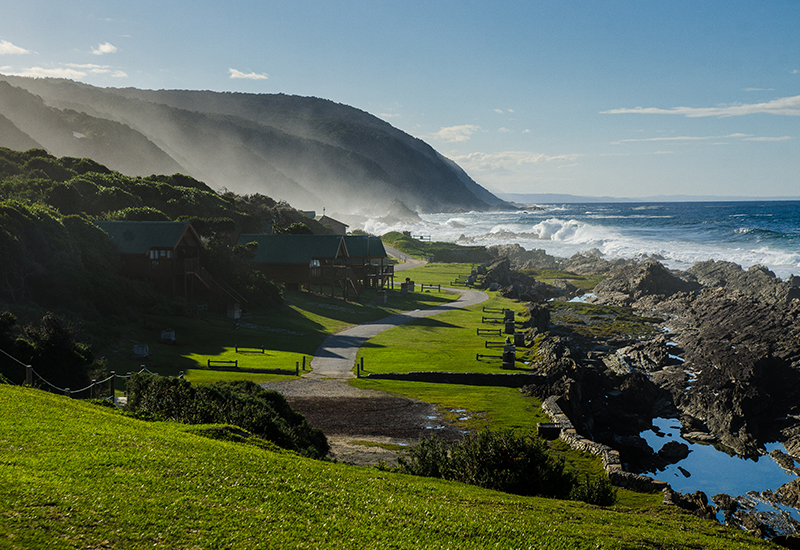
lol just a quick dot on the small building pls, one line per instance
(304, 260)
(167, 255)
(336, 226)
(367, 257)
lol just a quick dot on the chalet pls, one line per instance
(367, 257)
(304, 260)
(167, 255)
(336, 226)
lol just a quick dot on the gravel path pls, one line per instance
(351, 416)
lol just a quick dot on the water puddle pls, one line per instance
(713, 471)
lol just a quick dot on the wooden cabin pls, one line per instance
(368, 259)
(167, 255)
(340, 228)
(304, 260)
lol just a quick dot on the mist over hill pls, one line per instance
(310, 152)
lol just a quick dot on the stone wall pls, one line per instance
(610, 457)
(506, 380)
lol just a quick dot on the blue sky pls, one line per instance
(622, 99)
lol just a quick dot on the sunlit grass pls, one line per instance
(77, 476)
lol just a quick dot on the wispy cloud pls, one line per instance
(58, 72)
(104, 48)
(786, 106)
(7, 48)
(499, 111)
(453, 134)
(248, 76)
(503, 130)
(72, 71)
(744, 137)
(506, 161)
(758, 89)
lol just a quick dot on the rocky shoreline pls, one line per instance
(722, 355)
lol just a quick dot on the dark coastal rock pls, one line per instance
(674, 451)
(591, 262)
(745, 354)
(539, 317)
(631, 282)
(517, 286)
(784, 461)
(696, 503)
(757, 282)
(524, 259)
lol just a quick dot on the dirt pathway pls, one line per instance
(365, 426)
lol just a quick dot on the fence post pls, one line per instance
(362, 364)
(29, 375)
(297, 368)
(113, 391)
(68, 393)
(304, 363)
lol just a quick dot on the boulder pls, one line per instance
(633, 281)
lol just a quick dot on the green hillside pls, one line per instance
(75, 475)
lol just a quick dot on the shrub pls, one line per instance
(597, 491)
(264, 413)
(502, 460)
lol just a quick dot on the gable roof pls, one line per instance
(139, 237)
(364, 246)
(296, 249)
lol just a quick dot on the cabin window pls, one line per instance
(314, 263)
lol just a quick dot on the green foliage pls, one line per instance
(597, 491)
(53, 351)
(439, 251)
(138, 214)
(242, 403)
(501, 460)
(297, 228)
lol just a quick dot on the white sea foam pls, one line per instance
(653, 235)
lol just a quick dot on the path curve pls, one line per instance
(335, 358)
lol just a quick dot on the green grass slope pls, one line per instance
(73, 475)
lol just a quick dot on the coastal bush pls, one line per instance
(597, 491)
(507, 461)
(245, 404)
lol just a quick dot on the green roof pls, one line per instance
(140, 237)
(295, 249)
(364, 246)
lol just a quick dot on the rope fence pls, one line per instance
(30, 373)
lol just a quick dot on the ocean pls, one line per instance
(677, 233)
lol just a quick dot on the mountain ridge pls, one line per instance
(308, 151)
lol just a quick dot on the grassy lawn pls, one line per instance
(288, 334)
(445, 342)
(78, 476)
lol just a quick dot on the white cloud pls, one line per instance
(526, 131)
(787, 106)
(511, 110)
(744, 137)
(507, 160)
(104, 49)
(119, 74)
(41, 72)
(389, 115)
(456, 133)
(7, 48)
(782, 138)
(503, 130)
(499, 111)
(248, 76)
(758, 89)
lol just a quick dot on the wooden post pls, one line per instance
(29, 375)
(304, 363)
(362, 364)
(297, 368)
(113, 392)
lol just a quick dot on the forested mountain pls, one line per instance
(310, 152)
